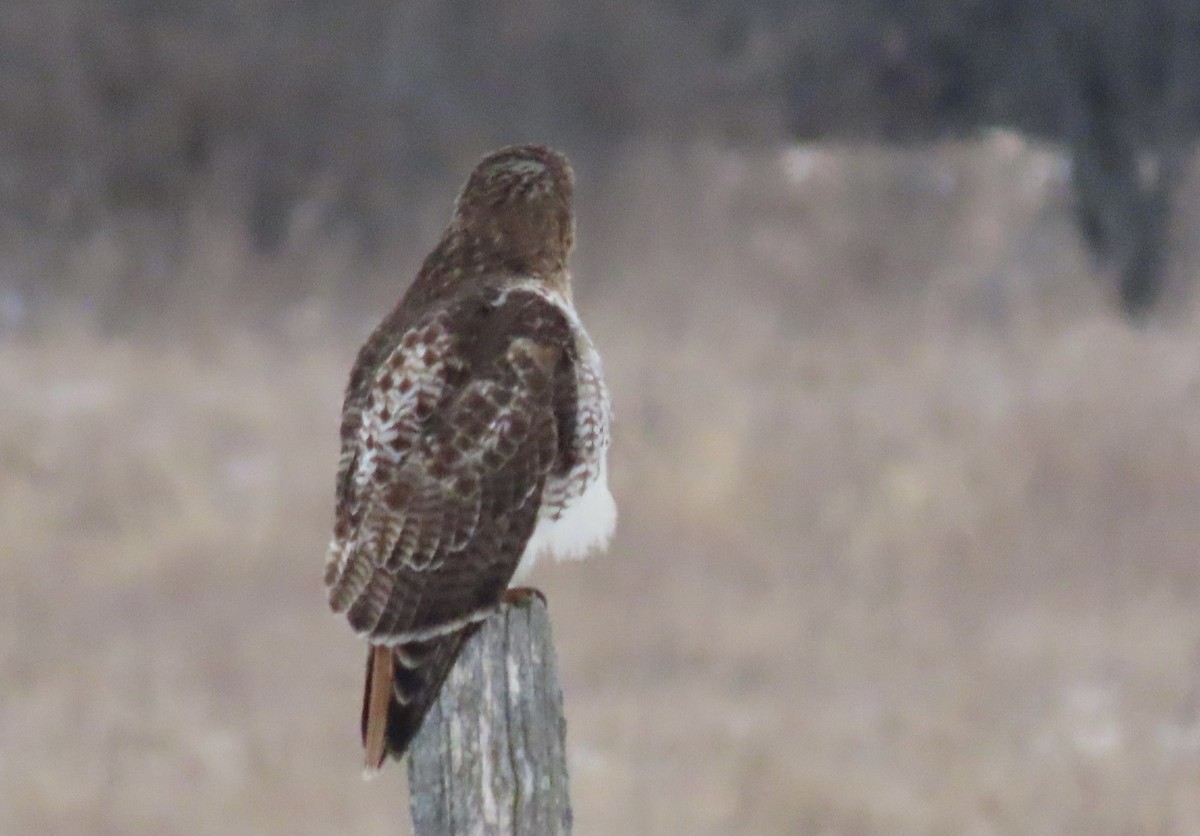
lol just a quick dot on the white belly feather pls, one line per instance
(584, 526)
(584, 522)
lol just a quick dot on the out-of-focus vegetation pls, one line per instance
(348, 118)
(908, 532)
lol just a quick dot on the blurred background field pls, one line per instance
(908, 535)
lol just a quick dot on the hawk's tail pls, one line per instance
(402, 683)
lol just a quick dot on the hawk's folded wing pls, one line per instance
(447, 444)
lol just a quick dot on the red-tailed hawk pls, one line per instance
(474, 439)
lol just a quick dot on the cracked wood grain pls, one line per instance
(490, 757)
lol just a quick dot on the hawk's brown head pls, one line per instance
(517, 204)
(521, 197)
(513, 218)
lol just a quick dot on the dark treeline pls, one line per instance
(354, 112)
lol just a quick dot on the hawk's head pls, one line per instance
(517, 204)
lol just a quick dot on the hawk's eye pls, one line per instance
(484, 309)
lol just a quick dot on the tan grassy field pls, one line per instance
(910, 533)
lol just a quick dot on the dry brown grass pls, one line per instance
(908, 540)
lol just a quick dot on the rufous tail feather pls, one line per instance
(375, 718)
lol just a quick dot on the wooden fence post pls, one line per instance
(491, 754)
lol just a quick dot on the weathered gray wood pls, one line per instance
(491, 754)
